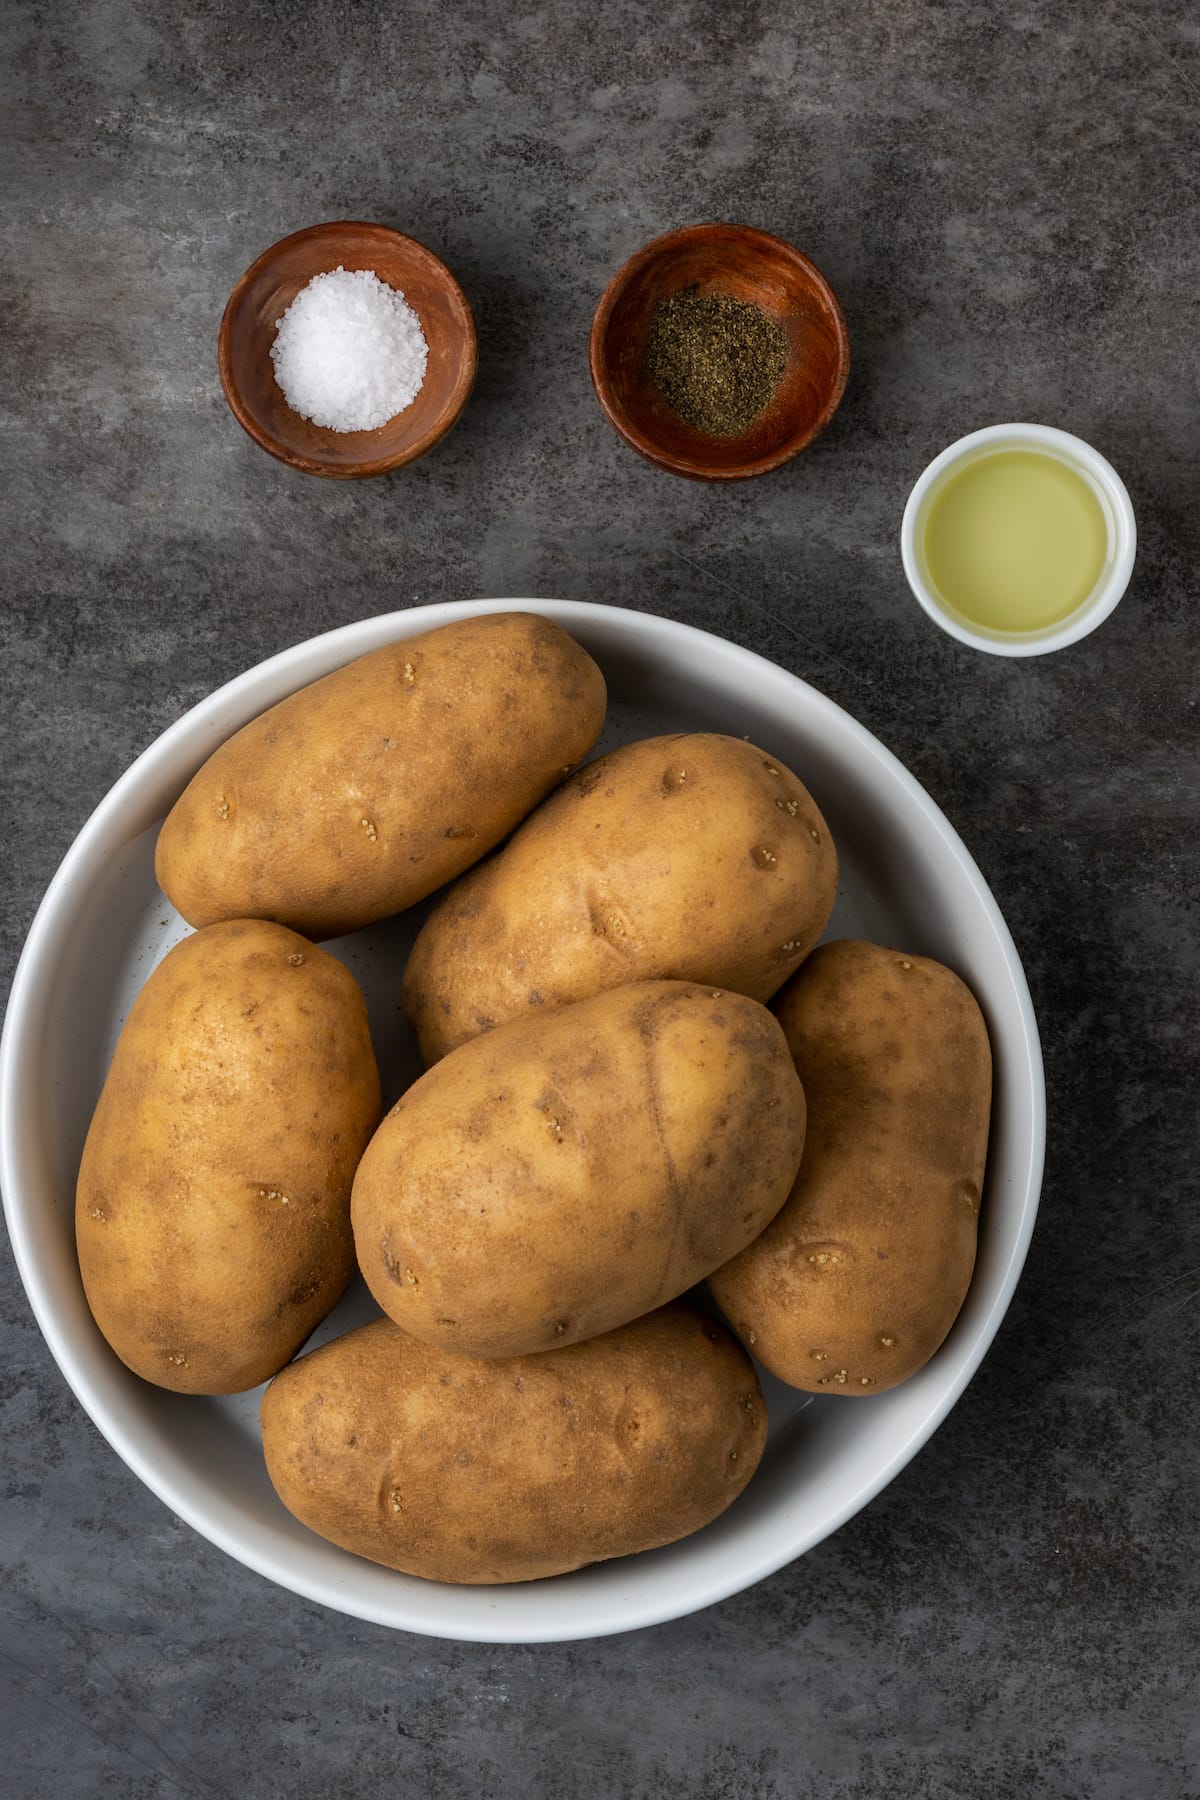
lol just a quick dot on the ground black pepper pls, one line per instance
(715, 360)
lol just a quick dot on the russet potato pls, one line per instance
(360, 794)
(573, 1170)
(859, 1278)
(213, 1201)
(695, 858)
(459, 1469)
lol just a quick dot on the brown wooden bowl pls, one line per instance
(263, 295)
(750, 265)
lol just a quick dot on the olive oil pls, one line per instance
(1014, 540)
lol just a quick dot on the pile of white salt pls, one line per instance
(349, 352)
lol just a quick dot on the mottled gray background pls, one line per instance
(1005, 198)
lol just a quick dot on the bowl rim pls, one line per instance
(646, 447)
(305, 662)
(1077, 453)
(367, 466)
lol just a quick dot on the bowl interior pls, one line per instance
(264, 294)
(750, 266)
(905, 880)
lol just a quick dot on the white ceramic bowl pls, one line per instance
(907, 880)
(1115, 504)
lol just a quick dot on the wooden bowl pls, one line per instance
(263, 295)
(750, 265)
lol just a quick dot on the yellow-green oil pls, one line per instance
(1014, 540)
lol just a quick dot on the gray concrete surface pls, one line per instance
(1006, 200)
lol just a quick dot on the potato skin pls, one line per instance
(567, 1173)
(212, 1208)
(857, 1281)
(694, 857)
(457, 1469)
(362, 793)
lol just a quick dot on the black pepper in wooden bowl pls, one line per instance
(716, 360)
(718, 352)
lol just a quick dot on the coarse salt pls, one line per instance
(349, 352)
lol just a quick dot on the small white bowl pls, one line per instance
(1114, 500)
(906, 879)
